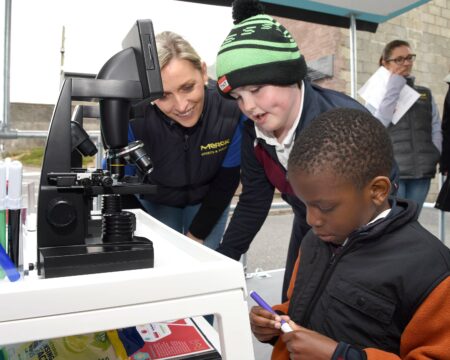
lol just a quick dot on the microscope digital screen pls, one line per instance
(142, 39)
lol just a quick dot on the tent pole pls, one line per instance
(6, 66)
(353, 53)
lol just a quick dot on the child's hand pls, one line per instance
(307, 344)
(264, 324)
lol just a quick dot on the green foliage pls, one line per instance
(33, 157)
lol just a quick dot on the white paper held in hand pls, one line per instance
(374, 89)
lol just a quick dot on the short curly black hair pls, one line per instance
(350, 142)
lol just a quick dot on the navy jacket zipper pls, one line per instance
(322, 284)
(188, 173)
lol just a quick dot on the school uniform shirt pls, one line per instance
(283, 149)
(262, 171)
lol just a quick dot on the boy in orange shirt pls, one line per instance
(370, 282)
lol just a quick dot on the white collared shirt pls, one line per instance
(284, 149)
(381, 215)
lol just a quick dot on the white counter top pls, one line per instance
(188, 279)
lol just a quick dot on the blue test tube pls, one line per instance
(8, 266)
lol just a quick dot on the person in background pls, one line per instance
(192, 135)
(445, 157)
(417, 136)
(260, 66)
(443, 198)
(355, 293)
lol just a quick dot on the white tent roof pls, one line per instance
(367, 13)
(372, 11)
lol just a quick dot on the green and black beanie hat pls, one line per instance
(258, 50)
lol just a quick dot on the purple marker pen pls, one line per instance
(284, 325)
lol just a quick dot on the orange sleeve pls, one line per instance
(427, 336)
(279, 350)
(284, 306)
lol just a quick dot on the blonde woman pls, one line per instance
(192, 135)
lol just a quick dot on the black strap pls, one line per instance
(346, 351)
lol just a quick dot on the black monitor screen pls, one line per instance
(142, 39)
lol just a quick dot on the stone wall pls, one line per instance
(23, 117)
(32, 117)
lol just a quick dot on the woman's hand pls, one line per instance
(400, 70)
(190, 236)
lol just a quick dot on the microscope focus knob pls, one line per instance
(107, 181)
(61, 213)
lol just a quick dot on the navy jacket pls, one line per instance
(414, 151)
(261, 173)
(198, 165)
(366, 292)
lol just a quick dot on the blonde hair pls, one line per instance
(171, 45)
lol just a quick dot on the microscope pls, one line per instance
(73, 239)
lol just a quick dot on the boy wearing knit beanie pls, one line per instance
(258, 51)
(260, 65)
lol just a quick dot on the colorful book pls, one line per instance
(180, 339)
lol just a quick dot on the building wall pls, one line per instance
(316, 41)
(426, 28)
(32, 117)
(24, 117)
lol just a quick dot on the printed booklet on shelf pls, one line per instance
(180, 339)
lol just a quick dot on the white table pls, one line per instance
(188, 279)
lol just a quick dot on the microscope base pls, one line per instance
(95, 257)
